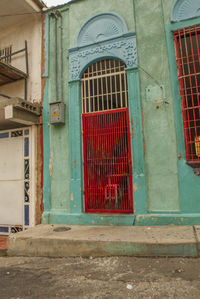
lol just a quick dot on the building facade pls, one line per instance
(20, 111)
(121, 113)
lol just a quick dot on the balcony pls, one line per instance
(9, 73)
(16, 112)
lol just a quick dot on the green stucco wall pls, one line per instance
(160, 139)
(172, 189)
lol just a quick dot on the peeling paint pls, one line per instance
(132, 122)
(135, 187)
(144, 144)
(74, 163)
(50, 165)
(179, 156)
(72, 196)
(133, 133)
(154, 219)
(159, 101)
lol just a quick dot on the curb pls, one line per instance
(46, 241)
(60, 248)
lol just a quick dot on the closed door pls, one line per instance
(106, 139)
(11, 181)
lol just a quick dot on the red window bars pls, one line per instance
(107, 162)
(106, 139)
(187, 41)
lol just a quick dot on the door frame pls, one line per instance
(137, 147)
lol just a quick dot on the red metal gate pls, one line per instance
(107, 162)
(187, 44)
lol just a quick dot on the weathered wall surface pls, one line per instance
(159, 129)
(80, 12)
(73, 18)
(28, 29)
(13, 36)
(149, 20)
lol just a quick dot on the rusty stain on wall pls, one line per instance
(39, 192)
(179, 156)
(132, 133)
(39, 202)
(143, 132)
(72, 196)
(154, 219)
(132, 122)
(50, 165)
(135, 187)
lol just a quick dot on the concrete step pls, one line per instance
(64, 241)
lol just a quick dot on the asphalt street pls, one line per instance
(106, 278)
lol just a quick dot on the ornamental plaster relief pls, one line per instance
(101, 27)
(109, 39)
(185, 9)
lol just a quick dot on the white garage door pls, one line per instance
(11, 181)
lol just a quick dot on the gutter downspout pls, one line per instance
(53, 16)
(60, 58)
(58, 61)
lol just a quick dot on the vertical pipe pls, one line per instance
(60, 60)
(25, 89)
(27, 71)
(26, 53)
(55, 55)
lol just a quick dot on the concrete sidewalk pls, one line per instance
(65, 241)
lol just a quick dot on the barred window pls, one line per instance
(104, 86)
(187, 42)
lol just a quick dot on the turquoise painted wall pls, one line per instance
(59, 139)
(172, 189)
(160, 137)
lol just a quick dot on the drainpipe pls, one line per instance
(53, 16)
(57, 108)
(60, 60)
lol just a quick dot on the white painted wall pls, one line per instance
(12, 188)
(31, 30)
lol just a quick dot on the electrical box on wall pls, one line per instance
(57, 113)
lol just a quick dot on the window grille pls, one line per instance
(187, 42)
(104, 86)
(106, 139)
(5, 54)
